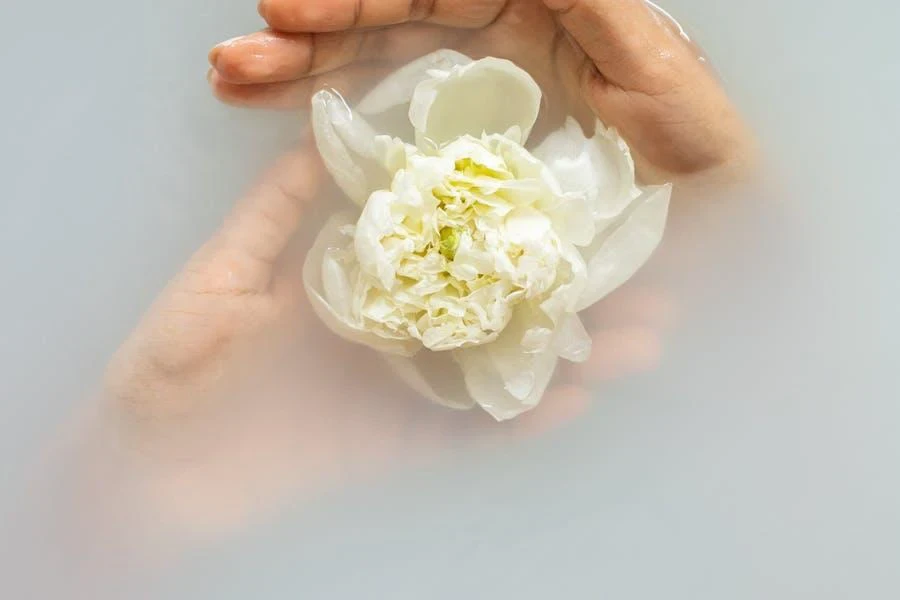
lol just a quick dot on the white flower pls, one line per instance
(471, 255)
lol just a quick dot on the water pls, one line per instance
(759, 459)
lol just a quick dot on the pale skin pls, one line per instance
(616, 59)
(227, 348)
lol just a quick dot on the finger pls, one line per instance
(618, 353)
(339, 15)
(262, 224)
(633, 306)
(269, 57)
(562, 404)
(291, 95)
(623, 39)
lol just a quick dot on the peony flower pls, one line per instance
(469, 257)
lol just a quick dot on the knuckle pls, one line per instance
(296, 16)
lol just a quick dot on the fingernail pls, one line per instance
(213, 55)
(217, 49)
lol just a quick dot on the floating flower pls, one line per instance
(471, 256)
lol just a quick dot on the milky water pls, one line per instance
(760, 459)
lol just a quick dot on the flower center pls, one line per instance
(464, 251)
(449, 241)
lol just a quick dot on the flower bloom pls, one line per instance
(470, 256)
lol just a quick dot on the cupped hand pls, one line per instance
(621, 60)
(235, 397)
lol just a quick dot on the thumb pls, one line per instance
(622, 39)
(262, 224)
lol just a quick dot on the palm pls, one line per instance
(231, 369)
(235, 323)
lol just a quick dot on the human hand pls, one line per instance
(236, 398)
(620, 60)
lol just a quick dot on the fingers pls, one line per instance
(292, 95)
(263, 223)
(632, 306)
(627, 330)
(562, 405)
(281, 71)
(269, 57)
(623, 39)
(619, 353)
(339, 15)
(640, 75)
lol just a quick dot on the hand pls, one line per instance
(621, 60)
(235, 398)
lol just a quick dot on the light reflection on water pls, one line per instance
(758, 460)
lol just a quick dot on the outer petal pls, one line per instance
(329, 276)
(436, 376)
(348, 147)
(599, 168)
(508, 377)
(614, 258)
(572, 341)
(490, 95)
(397, 88)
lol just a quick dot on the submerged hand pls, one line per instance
(618, 59)
(239, 395)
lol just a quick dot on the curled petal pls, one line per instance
(600, 168)
(614, 258)
(573, 219)
(329, 277)
(508, 377)
(490, 96)
(375, 223)
(564, 299)
(348, 147)
(436, 376)
(572, 341)
(397, 88)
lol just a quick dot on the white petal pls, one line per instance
(374, 224)
(436, 376)
(573, 220)
(490, 96)
(614, 258)
(347, 145)
(564, 299)
(386, 107)
(572, 341)
(328, 280)
(397, 88)
(600, 169)
(506, 377)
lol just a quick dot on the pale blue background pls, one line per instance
(761, 461)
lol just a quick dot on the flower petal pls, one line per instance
(573, 220)
(436, 376)
(397, 88)
(375, 223)
(614, 258)
(490, 96)
(572, 341)
(348, 148)
(329, 275)
(507, 377)
(599, 168)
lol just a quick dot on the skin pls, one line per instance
(222, 367)
(618, 60)
(232, 397)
